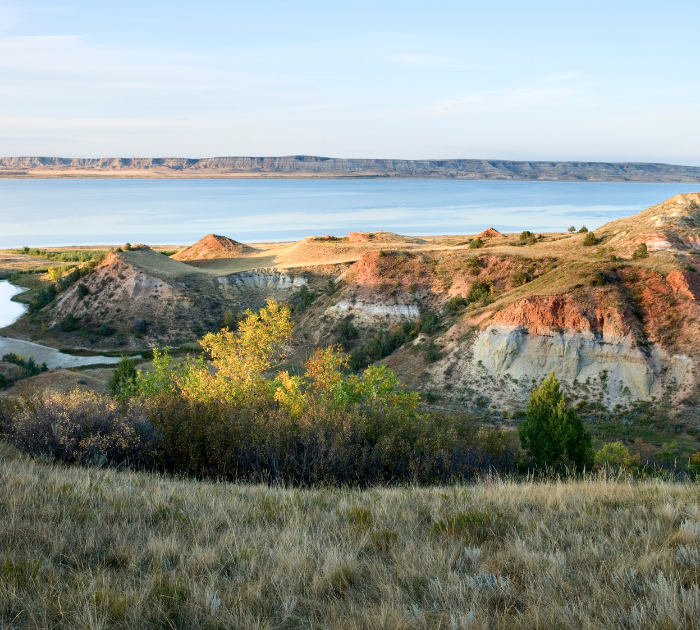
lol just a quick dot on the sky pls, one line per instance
(603, 81)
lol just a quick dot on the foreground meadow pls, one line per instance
(89, 548)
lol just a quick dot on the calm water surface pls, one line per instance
(84, 212)
(9, 311)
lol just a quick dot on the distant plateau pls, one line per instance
(304, 166)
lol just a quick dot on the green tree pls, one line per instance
(590, 239)
(641, 252)
(552, 434)
(583, 229)
(615, 455)
(163, 376)
(123, 382)
(70, 323)
(229, 320)
(572, 229)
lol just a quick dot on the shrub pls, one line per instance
(229, 320)
(615, 455)
(476, 244)
(44, 297)
(430, 322)
(641, 252)
(28, 364)
(127, 247)
(518, 278)
(525, 235)
(346, 332)
(319, 446)
(479, 291)
(590, 239)
(81, 427)
(362, 445)
(583, 229)
(432, 352)
(82, 291)
(70, 323)
(552, 433)
(305, 297)
(55, 273)
(331, 286)
(455, 304)
(599, 279)
(571, 229)
(382, 345)
(123, 382)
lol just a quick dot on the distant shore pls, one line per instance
(312, 167)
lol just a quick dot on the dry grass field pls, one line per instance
(88, 548)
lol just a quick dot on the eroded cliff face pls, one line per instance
(592, 342)
(633, 338)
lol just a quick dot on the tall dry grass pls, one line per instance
(88, 548)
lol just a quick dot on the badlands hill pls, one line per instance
(313, 166)
(469, 323)
(212, 246)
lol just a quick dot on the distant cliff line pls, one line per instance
(303, 166)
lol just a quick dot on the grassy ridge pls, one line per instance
(91, 548)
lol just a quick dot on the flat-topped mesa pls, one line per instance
(490, 233)
(212, 246)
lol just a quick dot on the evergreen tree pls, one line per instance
(123, 381)
(552, 434)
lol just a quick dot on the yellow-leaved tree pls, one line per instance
(326, 383)
(240, 358)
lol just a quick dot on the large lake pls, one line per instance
(87, 211)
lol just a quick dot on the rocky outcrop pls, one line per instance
(313, 165)
(573, 356)
(251, 289)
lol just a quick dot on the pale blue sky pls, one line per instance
(611, 80)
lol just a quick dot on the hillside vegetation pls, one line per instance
(468, 322)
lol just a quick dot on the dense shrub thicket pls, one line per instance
(327, 425)
(263, 443)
